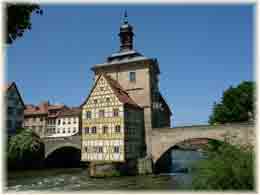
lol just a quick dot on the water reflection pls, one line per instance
(182, 163)
(183, 160)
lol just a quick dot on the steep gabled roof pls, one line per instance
(119, 92)
(9, 85)
(165, 104)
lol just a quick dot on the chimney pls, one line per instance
(44, 105)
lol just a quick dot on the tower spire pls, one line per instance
(125, 17)
(126, 35)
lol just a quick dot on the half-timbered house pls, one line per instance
(113, 124)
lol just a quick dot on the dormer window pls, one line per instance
(132, 77)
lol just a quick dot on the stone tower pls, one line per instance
(139, 76)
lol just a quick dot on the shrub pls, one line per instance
(24, 150)
(226, 168)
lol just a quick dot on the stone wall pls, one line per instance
(162, 139)
(52, 144)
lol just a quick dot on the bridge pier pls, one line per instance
(141, 166)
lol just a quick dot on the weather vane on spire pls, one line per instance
(125, 17)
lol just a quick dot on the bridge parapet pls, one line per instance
(207, 127)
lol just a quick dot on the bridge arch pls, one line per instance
(66, 155)
(164, 163)
(60, 146)
(166, 138)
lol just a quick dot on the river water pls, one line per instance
(76, 179)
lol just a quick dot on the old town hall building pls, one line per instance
(123, 105)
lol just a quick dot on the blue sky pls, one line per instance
(202, 50)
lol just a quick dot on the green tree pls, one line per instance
(25, 150)
(18, 19)
(236, 105)
(226, 168)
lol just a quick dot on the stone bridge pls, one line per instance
(163, 139)
(54, 143)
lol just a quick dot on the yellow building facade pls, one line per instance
(112, 124)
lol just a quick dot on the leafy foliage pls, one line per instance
(226, 168)
(237, 104)
(19, 19)
(24, 149)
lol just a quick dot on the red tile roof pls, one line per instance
(121, 94)
(54, 107)
(43, 108)
(75, 111)
(34, 110)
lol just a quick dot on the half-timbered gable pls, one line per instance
(103, 123)
(112, 123)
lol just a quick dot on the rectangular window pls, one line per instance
(86, 130)
(94, 130)
(101, 113)
(107, 99)
(88, 114)
(116, 149)
(58, 121)
(132, 77)
(115, 112)
(10, 110)
(100, 149)
(9, 124)
(19, 111)
(117, 129)
(95, 101)
(86, 149)
(105, 129)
